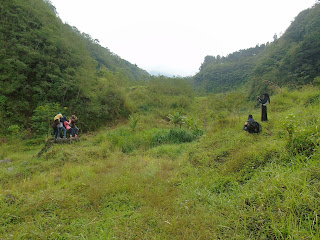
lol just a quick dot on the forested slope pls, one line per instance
(48, 65)
(222, 74)
(292, 60)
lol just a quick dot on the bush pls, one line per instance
(177, 119)
(175, 136)
(14, 130)
(42, 118)
(127, 141)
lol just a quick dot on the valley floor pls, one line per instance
(166, 183)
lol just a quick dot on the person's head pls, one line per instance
(74, 118)
(250, 116)
(64, 119)
(266, 96)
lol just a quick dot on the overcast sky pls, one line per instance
(174, 36)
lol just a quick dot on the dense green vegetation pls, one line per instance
(44, 62)
(292, 60)
(156, 160)
(222, 74)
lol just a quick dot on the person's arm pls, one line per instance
(264, 101)
(259, 99)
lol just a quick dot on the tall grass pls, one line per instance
(167, 183)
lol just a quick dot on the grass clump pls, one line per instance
(175, 136)
(128, 140)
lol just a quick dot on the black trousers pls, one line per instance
(264, 116)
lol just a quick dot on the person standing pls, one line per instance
(264, 101)
(59, 126)
(74, 120)
(67, 126)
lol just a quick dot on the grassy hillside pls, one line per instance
(157, 181)
(292, 60)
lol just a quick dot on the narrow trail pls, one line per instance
(203, 110)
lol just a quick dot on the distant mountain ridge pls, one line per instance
(160, 73)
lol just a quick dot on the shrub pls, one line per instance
(127, 141)
(14, 130)
(175, 136)
(177, 119)
(43, 117)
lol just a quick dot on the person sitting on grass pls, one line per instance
(251, 126)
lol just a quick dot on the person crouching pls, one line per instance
(251, 126)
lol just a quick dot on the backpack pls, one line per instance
(55, 123)
(254, 127)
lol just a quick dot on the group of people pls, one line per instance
(62, 123)
(253, 126)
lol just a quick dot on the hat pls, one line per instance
(58, 116)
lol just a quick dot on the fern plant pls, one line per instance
(177, 119)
